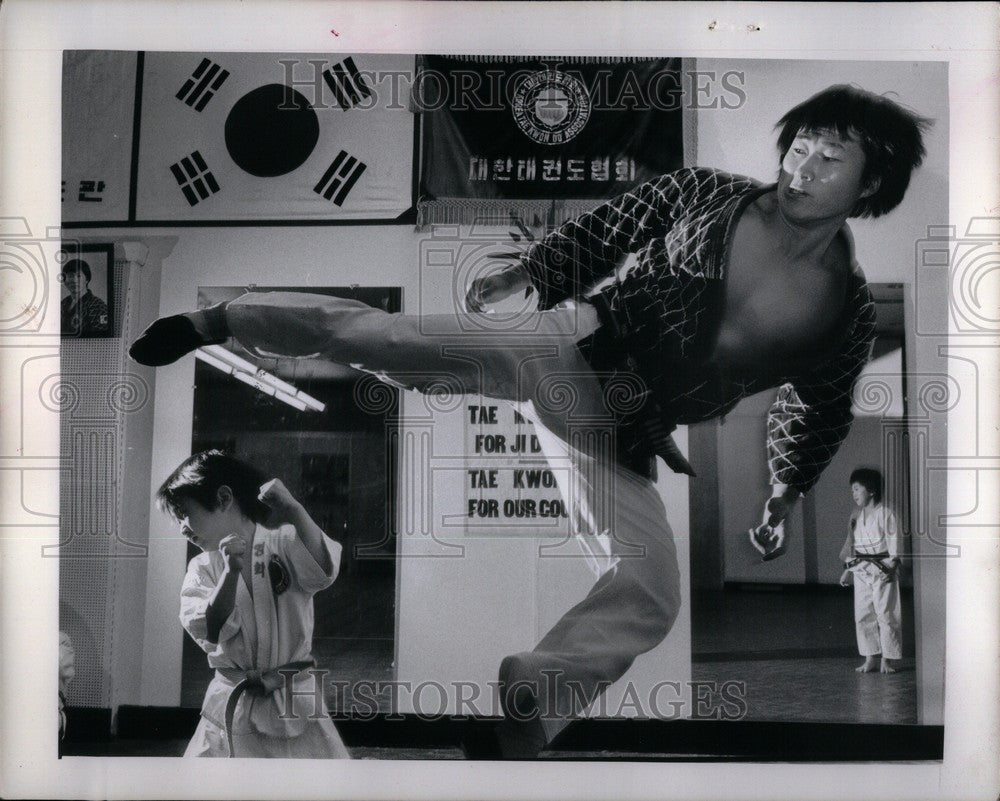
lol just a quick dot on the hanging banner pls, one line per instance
(262, 136)
(498, 129)
(98, 94)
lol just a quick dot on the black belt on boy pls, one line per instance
(871, 558)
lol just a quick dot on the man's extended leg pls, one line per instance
(419, 352)
(622, 528)
(618, 514)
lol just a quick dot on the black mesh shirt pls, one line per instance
(665, 305)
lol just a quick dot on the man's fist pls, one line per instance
(778, 507)
(275, 495)
(232, 549)
(769, 537)
(495, 287)
(769, 540)
(846, 578)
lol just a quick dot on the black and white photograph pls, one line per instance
(87, 278)
(575, 285)
(611, 409)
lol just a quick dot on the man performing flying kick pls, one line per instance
(736, 287)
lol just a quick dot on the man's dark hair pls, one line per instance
(199, 477)
(77, 266)
(890, 135)
(870, 479)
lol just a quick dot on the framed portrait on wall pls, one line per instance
(86, 276)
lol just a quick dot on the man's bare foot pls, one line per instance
(870, 665)
(886, 667)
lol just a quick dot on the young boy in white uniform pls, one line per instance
(871, 556)
(247, 602)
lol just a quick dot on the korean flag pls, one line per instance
(269, 136)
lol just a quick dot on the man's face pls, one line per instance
(821, 176)
(75, 282)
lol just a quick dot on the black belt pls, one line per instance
(643, 433)
(871, 558)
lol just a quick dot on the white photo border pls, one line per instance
(33, 36)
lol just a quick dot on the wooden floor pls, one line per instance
(818, 690)
(792, 649)
(795, 650)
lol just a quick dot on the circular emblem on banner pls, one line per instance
(551, 107)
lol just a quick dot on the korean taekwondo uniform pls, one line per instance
(267, 638)
(873, 539)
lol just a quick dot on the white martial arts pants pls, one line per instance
(878, 615)
(618, 517)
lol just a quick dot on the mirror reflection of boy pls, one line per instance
(82, 312)
(247, 602)
(871, 558)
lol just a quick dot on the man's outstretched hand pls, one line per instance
(769, 537)
(495, 287)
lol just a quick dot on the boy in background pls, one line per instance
(871, 556)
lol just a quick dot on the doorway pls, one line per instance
(340, 464)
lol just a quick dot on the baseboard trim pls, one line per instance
(86, 724)
(711, 740)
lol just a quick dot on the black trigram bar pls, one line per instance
(340, 177)
(194, 178)
(203, 84)
(348, 85)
